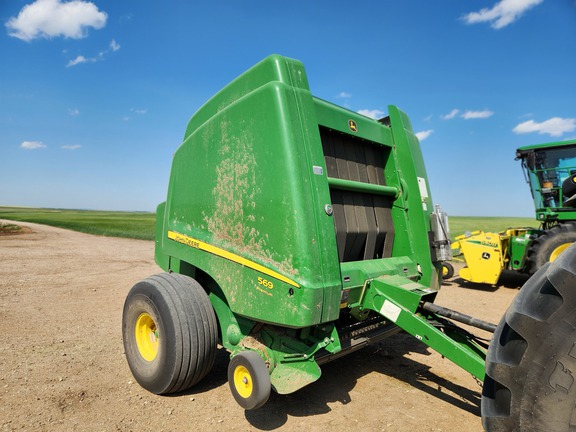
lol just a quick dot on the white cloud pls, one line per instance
(476, 114)
(114, 46)
(71, 147)
(451, 114)
(32, 145)
(53, 18)
(375, 113)
(344, 95)
(74, 112)
(554, 126)
(503, 13)
(78, 60)
(424, 134)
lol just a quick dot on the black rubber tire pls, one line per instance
(531, 362)
(447, 270)
(186, 332)
(250, 366)
(541, 249)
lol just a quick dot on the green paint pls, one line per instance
(251, 181)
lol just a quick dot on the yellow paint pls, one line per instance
(559, 250)
(197, 244)
(243, 382)
(146, 335)
(484, 256)
(263, 291)
(268, 284)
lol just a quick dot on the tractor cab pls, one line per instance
(550, 169)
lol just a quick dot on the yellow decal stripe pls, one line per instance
(189, 241)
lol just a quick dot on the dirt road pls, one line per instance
(62, 365)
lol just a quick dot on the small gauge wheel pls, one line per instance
(447, 270)
(249, 380)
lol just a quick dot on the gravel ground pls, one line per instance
(62, 365)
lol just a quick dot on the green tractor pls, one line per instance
(296, 232)
(550, 170)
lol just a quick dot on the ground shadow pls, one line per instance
(461, 283)
(508, 279)
(217, 377)
(512, 279)
(341, 376)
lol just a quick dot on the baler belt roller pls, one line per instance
(356, 186)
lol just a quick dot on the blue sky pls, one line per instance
(95, 96)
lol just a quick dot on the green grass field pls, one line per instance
(460, 224)
(141, 225)
(113, 224)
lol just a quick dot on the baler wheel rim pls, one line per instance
(146, 335)
(243, 381)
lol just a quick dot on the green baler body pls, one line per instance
(251, 179)
(295, 213)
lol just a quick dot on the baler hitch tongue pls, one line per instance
(403, 302)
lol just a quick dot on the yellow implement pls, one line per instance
(486, 254)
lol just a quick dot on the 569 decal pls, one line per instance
(265, 283)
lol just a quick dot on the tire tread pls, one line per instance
(529, 346)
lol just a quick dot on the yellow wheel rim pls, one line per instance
(444, 270)
(559, 250)
(146, 334)
(243, 381)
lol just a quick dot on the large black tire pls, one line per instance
(531, 363)
(549, 245)
(170, 333)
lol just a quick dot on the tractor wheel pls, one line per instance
(531, 362)
(249, 380)
(170, 333)
(447, 270)
(549, 245)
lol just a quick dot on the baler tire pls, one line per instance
(548, 246)
(447, 270)
(531, 361)
(169, 331)
(249, 380)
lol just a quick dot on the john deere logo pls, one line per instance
(352, 125)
